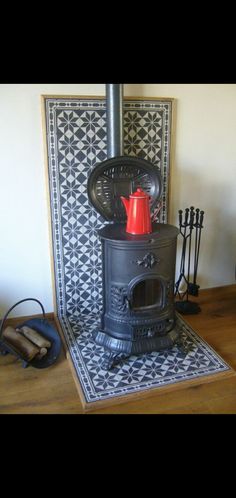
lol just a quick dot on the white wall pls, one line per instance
(203, 175)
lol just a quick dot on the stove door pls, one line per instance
(147, 293)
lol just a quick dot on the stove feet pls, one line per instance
(182, 346)
(112, 359)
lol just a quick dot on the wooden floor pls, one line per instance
(53, 390)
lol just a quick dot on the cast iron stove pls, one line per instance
(138, 291)
(138, 270)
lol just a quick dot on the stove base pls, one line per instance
(118, 349)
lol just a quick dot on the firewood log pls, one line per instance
(41, 354)
(22, 346)
(35, 337)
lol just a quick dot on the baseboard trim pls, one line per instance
(19, 319)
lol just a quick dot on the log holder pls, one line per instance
(44, 328)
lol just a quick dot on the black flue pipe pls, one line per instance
(114, 102)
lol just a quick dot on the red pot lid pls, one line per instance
(140, 194)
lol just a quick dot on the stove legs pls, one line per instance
(182, 346)
(117, 349)
(111, 359)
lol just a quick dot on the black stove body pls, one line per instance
(138, 291)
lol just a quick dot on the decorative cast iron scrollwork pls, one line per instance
(151, 330)
(119, 300)
(148, 261)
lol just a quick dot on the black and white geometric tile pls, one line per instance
(76, 142)
(137, 373)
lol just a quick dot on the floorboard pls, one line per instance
(53, 390)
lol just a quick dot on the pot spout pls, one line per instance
(126, 204)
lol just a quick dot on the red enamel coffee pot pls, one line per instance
(138, 213)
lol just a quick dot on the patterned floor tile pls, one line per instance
(136, 373)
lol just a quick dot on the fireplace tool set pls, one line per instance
(138, 254)
(190, 225)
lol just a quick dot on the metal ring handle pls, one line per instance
(19, 302)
